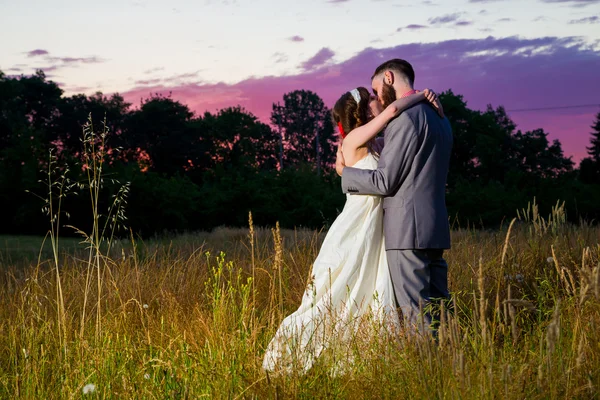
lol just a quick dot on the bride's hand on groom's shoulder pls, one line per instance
(434, 100)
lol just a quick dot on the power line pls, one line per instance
(554, 108)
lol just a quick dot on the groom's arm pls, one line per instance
(395, 161)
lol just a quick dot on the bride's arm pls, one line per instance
(358, 137)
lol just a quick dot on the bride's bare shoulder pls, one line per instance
(353, 156)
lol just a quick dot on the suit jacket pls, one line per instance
(411, 174)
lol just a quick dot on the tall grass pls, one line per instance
(190, 317)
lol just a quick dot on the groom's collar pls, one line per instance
(408, 93)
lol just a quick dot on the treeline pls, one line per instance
(195, 172)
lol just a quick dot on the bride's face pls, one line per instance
(375, 106)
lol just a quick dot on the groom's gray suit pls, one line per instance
(411, 174)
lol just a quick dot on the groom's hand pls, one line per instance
(339, 160)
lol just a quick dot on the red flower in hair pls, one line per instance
(341, 128)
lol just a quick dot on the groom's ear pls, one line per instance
(388, 77)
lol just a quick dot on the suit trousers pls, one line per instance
(420, 280)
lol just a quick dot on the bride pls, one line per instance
(350, 276)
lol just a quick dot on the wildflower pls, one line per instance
(145, 306)
(89, 388)
(146, 376)
(550, 260)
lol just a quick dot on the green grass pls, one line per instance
(14, 249)
(180, 320)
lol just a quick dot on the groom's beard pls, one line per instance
(388, 94)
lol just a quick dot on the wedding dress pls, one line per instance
(350, 279)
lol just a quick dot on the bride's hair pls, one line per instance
(349, 113)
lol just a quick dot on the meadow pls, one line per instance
(189, 316)
(109, 315)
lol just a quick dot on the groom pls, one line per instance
(411, 175)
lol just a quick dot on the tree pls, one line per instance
(535, 156)
(161, 129)
(238, 138)
(589, 168)
(307, 129)
(74, 112)
(27, 102)
(594, 149)
(588, 171)
(462, 158)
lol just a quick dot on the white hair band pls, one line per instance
(356, 94)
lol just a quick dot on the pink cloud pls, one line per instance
(296, 38)
(516, 73)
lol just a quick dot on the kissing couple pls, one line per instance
(383, 255)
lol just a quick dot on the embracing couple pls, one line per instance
(383, 255)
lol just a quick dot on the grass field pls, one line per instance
(190, 317)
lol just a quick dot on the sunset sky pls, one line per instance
(210, 54)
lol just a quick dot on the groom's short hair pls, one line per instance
(398, 65)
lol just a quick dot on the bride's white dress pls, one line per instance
(350, 278)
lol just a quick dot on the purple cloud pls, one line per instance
(504, 20)
(296, 38)
(587, 20)
(514, 72)
(573, 3)
(415, 26)
(75, 60)
(319, 59)
(444, 19)
(37, 52)
(464, 23)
